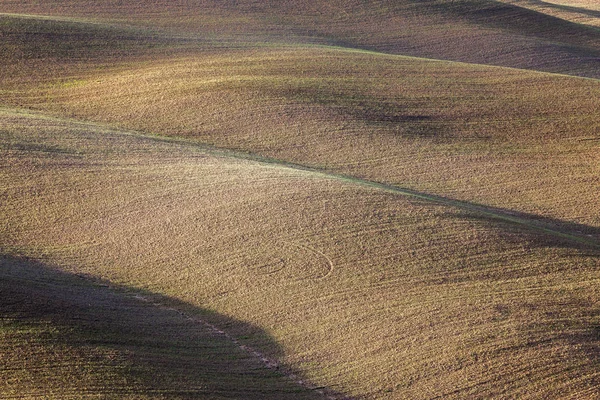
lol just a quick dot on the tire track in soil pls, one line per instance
(324, 259)
(268, 362)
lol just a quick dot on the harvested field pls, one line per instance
(280, 199)
(359, 287)
(504, 138)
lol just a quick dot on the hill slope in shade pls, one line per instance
(66, 337)
(366, 292)
(35, 48)
(485, 32)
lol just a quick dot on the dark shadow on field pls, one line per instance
(27, 38)
(65, 335)
(553, 44)
(45, 47)
(518, 19)
(370, 109)
(530, 229)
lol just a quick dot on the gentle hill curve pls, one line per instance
(585, 12)
(65, 336)
(301, 256)
(307, 212)
(499, 137)
(484, 32)
(35, 48)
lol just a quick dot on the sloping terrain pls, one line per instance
(504, 138)
(64, 336)
(36, 48)
(585, 12)
(360, 287)
(272, 199)
(477, 31)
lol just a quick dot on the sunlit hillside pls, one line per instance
(328, 200)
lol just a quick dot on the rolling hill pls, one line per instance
(481, 134)
(360, 287)
(66, 336)
(244, 199)
(475, 31)
(584, 12)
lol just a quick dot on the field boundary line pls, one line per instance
(509, 216)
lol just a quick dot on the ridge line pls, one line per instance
(509, 216)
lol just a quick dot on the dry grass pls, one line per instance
(366, 292)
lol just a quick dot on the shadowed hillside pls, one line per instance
(65, 336)
(482, 31)
(36, 49)
(585, 12)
